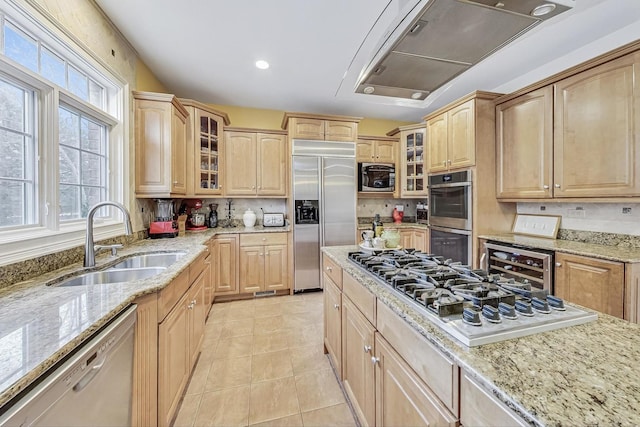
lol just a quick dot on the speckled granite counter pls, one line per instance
(393, 225)
(581, 375)
(40, 324)
(612, 253)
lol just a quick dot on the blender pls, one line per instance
(164, 225)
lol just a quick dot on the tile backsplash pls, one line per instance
(367, 208)
(618, 218)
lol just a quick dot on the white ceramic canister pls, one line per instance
(249, 218)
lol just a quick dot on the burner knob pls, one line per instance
(471, 317)
(555, 302)
(540, 305)
(524, 308)
(507, 311)
(491, 314)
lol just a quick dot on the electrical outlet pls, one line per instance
(626, 211)
(576, 213)
(543, 208)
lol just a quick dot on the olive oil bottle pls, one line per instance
(377, 226)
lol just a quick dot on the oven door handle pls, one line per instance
(451, 184)
(451, 230)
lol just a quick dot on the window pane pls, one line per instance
(69, 165)
(52, 67)
(13, 209)
(96, 94)
(78, 84)
(69, 128)
(20, 47)
(91, 169)
(90, 196)
(69, 202)
(91, 136)
(12, 107)
(12, 155)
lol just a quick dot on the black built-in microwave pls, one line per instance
(376, 177)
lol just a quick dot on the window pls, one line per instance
(62, 138)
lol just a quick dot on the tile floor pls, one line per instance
(262, 363)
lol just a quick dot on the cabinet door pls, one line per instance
(524, 145)
(406, 238)
(340, 131)
(596, 138)
(402, 399)
(590, 282)
(251, 269)
(420, 240)
(178, 153)
(173, 361)
(479, 408)
(275, 267)
(357, 367)
(461, 145)
(412, 174)
(272, 161)
(437, 143)
(197, 317)
(385, 151)
(333, 323)
(240, 163)
(225, 264)
(207, 140)
(365, 151)
(306, 128)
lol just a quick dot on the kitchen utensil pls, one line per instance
(379, 243)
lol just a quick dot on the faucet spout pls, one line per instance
(89, 245)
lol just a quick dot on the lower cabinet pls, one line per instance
(402, 399)
(333, 323)
(594, 283)
(263, 262)
(224, 264)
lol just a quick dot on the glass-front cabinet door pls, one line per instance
(413, 177)
(208, 151)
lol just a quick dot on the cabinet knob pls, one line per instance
(449, 161)
(259, 187)
(261, 254)
(329, 269)
(367, 348)
(557, 185)
(558, 264)
(253, 187)
(375, 360)
(175, 182)
(336, 306)
(444, 163)
(546, 187)
(220, 186)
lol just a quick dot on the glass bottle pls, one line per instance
(377, 226)
(213, 216)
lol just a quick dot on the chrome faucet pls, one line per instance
(90, 248)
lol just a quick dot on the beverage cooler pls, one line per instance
(520, 263)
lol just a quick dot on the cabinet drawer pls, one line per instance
(360, 296)
(479, 408)
(332, 270)
(196, 267)
(434, 368)
(169, 296)
(258, 239)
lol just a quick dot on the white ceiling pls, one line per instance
(206, 49)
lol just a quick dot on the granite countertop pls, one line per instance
(41, 324)
(581, 375)
(611, 253)
(393, 225)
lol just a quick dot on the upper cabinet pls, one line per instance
(255, 163)
(160, 145)
(413, 178)
(320, 127)
(204, 148)
(376, 149)
(575, 138)
(451, 134)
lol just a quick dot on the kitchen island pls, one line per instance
(580, 375)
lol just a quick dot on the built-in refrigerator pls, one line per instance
(324, 193)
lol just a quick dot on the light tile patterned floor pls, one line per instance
(262, 364)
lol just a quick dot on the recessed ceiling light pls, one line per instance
(368, 90)
(416, 95)
(262, 64)
(543, 9)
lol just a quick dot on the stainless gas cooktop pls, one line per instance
(470, 305)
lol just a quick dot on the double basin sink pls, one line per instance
(133, 268)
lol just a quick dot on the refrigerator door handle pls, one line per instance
(321, 215)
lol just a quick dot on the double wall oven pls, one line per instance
(450, 215)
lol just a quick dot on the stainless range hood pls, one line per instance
(447, 38)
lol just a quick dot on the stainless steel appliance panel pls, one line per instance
(306, 178)
(451, 243)
(450, 200)
(93, 387)
(307, 256)
(338, 201)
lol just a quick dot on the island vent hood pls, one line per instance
(446, 39)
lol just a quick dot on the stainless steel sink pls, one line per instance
(163, 259)
(112, 276)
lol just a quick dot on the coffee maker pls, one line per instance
(164, 225)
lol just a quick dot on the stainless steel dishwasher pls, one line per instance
(91, 388)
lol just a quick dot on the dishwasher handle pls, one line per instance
(84, 381)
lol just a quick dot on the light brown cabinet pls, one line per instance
(415, 239)
(376, 150)
(160, 145)
(593, 283)
(262, 159)
(413, 152)
(524, 146)
(224, 264)
(451, 138)
(204, 148)
(402, 399)
(357, 367)
(332, 297)
(263, 262)
(575, 138)
(321, 127)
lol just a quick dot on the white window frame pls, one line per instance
(51, 235)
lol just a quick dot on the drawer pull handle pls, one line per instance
(375, 360)
(329, 269)
(546, 187)
(557, 185)
(558, 264)
(367, 348)
(336, 306)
